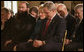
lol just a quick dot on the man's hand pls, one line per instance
(37, 43)
(7, 42)
(67, 41)
(30, 40)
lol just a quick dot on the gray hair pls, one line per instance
(78, 6)
(64, 6)
(50, 6)
(49, 2)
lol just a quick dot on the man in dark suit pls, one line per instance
(50, 38)
(69, 18)
(6, 25)
(77, 41)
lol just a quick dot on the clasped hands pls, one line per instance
(37, 43)
(7, 42)
(67, 41)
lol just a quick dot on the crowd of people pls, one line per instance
(42, 28)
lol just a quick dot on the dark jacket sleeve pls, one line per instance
(37, 30)
(70, 24)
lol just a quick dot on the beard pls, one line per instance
(22, 16)
(22, 12)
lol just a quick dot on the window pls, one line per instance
(7, 4)
(14, 6)
(11, 5)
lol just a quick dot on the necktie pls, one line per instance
(47, 24)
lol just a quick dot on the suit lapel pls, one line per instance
(52, 23)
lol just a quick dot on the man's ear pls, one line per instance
(28, 10)
(65, 8)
